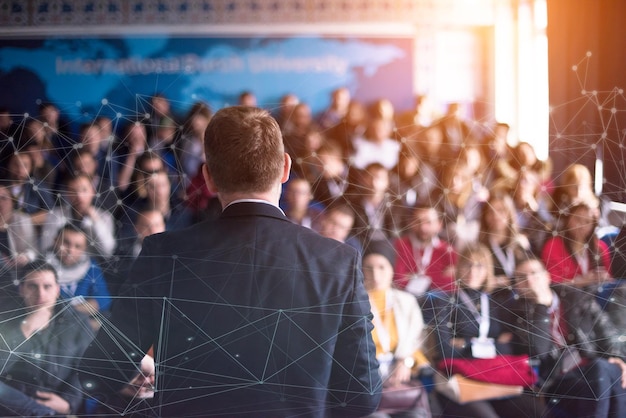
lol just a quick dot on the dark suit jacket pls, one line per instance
(249, 315)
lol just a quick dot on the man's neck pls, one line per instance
(228, 198)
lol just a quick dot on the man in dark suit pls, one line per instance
(249, 314)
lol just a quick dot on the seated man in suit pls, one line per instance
(249, 314)
(575, 380)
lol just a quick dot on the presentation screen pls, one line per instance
(116, 76)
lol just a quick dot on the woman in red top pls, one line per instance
(576, 256)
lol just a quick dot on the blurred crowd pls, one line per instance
(455, 225)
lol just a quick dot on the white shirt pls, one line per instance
(368, 152)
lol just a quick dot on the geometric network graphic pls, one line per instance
(604, 138)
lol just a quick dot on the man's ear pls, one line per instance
(208, 179)
(286, 169)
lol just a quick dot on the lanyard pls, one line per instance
(583, 262)
(335, 188)
(482, 317)
(507, 260)
(374, 215)
(422, 262)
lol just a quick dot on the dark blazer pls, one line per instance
(249, 315)
(48, 359)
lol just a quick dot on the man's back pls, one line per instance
(249, 315)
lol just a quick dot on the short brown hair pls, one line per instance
(244, 149)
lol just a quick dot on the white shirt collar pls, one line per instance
(254, 201)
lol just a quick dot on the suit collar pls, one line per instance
(252, 208)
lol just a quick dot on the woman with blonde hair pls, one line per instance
(574, 185)
(472, 324)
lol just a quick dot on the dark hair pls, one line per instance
(146, 156)
(592, 240)
(339, 206)
(512, 229)
(244, 149)
(70, 227)
(381, 247)
(75, 176)
(34, 266)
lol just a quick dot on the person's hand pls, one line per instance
(591, 278)
(400, 374)
(505, 338)
(17, 261)
(142, 385)
(501, 281)
(92, 213)
(619, 362)
(136, 147)
(535, 286)
(53, 401)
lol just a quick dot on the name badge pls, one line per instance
(483, 348)
(418, 284)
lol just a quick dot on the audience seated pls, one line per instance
(329, 181)
(78, 208)
(159, 108)
(31, 196)
(145, 223)
(579, 264)
(499, 233)
(133, 143)
(425, 262)
(376, 146)
(107, 195)
(531, 209)
(420, 116)
(573, 186)
(397, 333)
(285, 109)
(350, 127)
(425, 187)
(337, 110)
(460, 203)
(574, 383)
(42, 342)
(496, 153)
(190, 144)
(90, 139)
(78, 273)
(298, 204)
(32, 141)
(412, 180)
(373, 208)
(57, 129)
(455, 129)
(472, 323)
(336, 222)
(18, 242)
(576, 256)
